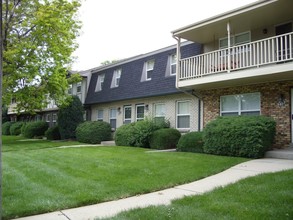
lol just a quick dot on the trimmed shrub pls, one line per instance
(69, 117)
(6, 127)
(241, 136)
(93, 132)
(191, 142)
(138, 134)
(124, 135)
(53, 133)
(35, 129)
(165, 138)
(15, 128)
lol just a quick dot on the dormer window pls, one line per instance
(173, 62)
(100, 82)
(149, 69)
(116, 78)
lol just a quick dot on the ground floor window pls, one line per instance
(183, 114)
(100, 115)
(54, 119)
(159, 111)
(139, 112)
(241, 104)
(127, 114)
(112, 114)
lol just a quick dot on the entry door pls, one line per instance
(292, 115)
(283, 50)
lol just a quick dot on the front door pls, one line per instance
(283, 47)
(292, 115)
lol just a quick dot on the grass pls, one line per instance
(16, 143)
(38, 180)
(267, 196)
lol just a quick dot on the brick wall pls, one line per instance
(270, 94)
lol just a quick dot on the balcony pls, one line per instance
(264, 60)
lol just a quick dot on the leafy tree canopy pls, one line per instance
(38, 40)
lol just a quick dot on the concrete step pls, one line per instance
(108, 143)
(286, 153)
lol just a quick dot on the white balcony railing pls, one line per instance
(259, 53)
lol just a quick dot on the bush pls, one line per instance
(165, 138)
(138, 134)
(69, 117)
(93, 132)
(15, 128)
(53, 133)
(35, 129)
(6, 127)
(191, 142)
(124, 135)
(243, 136)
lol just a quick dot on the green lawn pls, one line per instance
(268, 196)
(38, 178)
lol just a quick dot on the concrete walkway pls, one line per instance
(164, 197)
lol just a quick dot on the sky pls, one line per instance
(118, 29)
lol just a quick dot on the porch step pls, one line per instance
(286, 153)
(108, 143)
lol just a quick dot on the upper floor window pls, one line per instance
(242, 104)
(149, 69)
(100, 115)
(78, 87)
(100, 82)
(69, 89)
(183, 114)
(235, 40)
(173, 62)
(116, 78)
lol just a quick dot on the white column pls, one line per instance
(229, 45)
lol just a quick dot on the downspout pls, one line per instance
(178, 54)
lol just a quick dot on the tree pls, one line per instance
(38, 40)
(69, 117)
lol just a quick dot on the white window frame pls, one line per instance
(149, 68)
(78, 87)
(239, 111)
(136, 108)
(113, 117)
(232, 40)
(48, 118)
(155, 110)
(127, 120)
(116, 78)
(182, 115)
(100, 82)
(173, 62)
(102, 114)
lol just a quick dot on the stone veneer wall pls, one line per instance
(269, 93)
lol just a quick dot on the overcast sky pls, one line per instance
(117, 29)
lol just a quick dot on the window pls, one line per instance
(112, 118)
(139, 112)
(48, 118)
(149, 69)
(237, 39)
(183, 114)
(100, 82)
(127, 114)
(173, 62)
(243, 104)
(160, 112)
(78, 87)
(116, 78)
(54, 119)
(100, 116)
(70, 89)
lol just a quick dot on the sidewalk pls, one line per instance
(164, 197)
